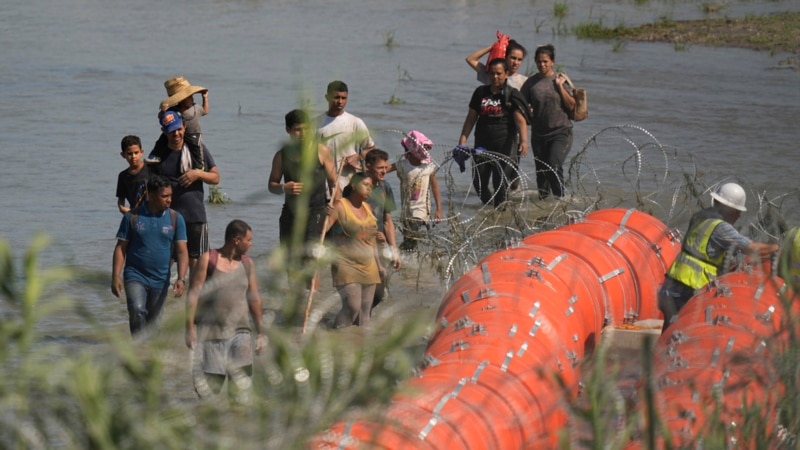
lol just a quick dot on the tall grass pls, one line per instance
(53, 396)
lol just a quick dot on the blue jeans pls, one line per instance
(144, 304)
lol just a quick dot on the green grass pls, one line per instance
(119, 394)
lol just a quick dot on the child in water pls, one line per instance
(417, 174)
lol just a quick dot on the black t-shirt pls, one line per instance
(495, 127)
(132, 187)
(290, 163)
(189, 201)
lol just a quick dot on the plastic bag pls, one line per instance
(498, 49)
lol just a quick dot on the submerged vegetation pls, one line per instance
(216, 196)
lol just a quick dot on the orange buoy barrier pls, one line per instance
(717, 359)
(501, 364)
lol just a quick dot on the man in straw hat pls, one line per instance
(180, 99)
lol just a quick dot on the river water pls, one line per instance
(77, 75)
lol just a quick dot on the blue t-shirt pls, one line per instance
(150, 245)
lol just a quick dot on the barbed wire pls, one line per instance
(617, 166)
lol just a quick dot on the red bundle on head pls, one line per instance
(498, 49)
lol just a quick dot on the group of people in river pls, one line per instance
(333, 179)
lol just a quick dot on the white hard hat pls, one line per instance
(731, 194)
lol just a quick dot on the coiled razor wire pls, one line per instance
(618, 166)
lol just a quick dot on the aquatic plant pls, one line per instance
(388, 38)
(402, 75)
(216, 196)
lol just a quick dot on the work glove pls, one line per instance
(460, 155)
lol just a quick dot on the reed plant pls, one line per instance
(137, 394)
(54, 396)
(216, 196)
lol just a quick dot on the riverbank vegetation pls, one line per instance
(774, 33)
(124, 394)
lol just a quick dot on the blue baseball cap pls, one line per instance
(170, 121)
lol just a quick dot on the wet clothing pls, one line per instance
(381, 201)
(415, 189)
(222, 309)
(344, 135)
(224, 356)
(150, 238)
(311, 230)
(290, 163)
(495, 131)
(224, 331)
(132, 188)
(551, 133)
(355, 247)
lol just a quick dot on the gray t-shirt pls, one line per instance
(549, 115)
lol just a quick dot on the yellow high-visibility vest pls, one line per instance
(693, 267)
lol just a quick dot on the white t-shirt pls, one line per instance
(415, 192)
(344, 135)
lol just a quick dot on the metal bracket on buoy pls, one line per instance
(458, 346)
(533, 273)
(766, 316)
(721, 320)
(535, 309)
(572, 356)
(462, 323)
(478, 371)
(677, 363)
(611, 275)
(556, 260)
(486, 276)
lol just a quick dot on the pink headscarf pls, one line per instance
(418, 145)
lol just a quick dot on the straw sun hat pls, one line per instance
(179, 88)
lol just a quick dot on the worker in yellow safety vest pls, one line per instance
(710, 237)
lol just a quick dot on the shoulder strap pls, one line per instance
(213, 255)
(132, 218)
(173, 215)
(248, 264)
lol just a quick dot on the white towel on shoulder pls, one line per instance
(186, 160)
